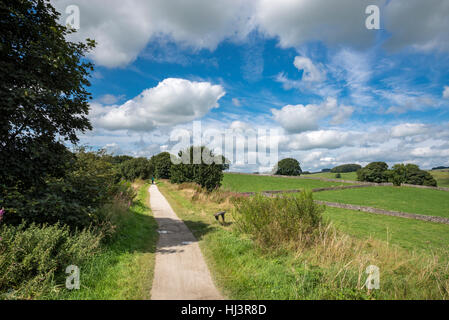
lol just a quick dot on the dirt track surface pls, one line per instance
(180, 272)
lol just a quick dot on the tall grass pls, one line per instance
(333, 264)
(291, 220)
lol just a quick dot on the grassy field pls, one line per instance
(441, 176)
(335, 270)
(254, 183)
(412, 200)
(352, 176)
(407, 233)
(124, 268)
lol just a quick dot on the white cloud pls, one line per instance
(327, 139)
(299, 118)
(446, 92)
(311, 72)
(123, 28)
(172, 101)
(408, 130)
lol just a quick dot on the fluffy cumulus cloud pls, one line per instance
(321, 139)
(408, 130)
(300, 118)
(172, 101)
(124, 28)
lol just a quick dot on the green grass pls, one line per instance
(254, 183)
(243, 270)
(407, 233)
(412, 200)
(124, 268)
(441, 176)
(351, 176)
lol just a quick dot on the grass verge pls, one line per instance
(124, 268)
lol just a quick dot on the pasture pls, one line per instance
(255, 183)
(406, 199)
(441, 176)
(352, 176)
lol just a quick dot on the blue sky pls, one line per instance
(335, 91)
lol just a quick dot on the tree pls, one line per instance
(398, 174)
(136, 168)
(208, 172)
(162, 165)
(351, 167)
(414, 175)
(288, 167)
(43, 80)
(374, 172)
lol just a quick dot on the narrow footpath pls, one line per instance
(180, 272)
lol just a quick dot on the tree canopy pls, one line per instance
(43, 80)
(288, 167)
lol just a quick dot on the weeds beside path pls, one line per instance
(124, 269)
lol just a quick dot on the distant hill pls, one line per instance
(439, 168)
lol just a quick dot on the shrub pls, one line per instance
(33, 259)
(374, 172)
(288, 167)
(282, 220)
(208, 173)
(346, 168)
(338, 176)
(72, 199)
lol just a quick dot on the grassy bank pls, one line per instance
(332, 269)
(412, 200)
(124, 267)
(254, 183)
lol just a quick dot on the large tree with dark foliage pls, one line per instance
(162, 165)
(201, 166)
(288, 167)
(374, 172)
(43, 80)
(411, 174)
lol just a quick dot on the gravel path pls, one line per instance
(180, 272)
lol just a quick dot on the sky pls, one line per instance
(330, 90)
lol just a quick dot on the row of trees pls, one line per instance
(179, 169)
(399, 174)
(374, 172)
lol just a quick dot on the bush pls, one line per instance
(374, 172)
(346, 168)
(73, 199)
(338, 176)
(208, 173)
(288, 167)
(282, 220)
(33, 259)
(136, 168)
